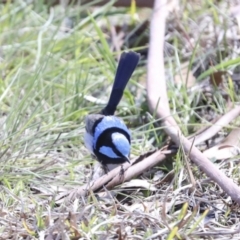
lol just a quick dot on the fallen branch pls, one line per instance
(158, 102)
(115, 177)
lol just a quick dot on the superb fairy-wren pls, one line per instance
(106, 136)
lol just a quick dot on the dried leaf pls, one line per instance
(139, 183)
(217, 78)
(146, 207)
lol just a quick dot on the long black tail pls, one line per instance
(126, 66)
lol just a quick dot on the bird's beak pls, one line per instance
(127, 159)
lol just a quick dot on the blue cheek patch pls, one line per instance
(107, 151)
(121, 143)
(106, 123)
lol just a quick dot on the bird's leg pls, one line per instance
(121, 173)
(105, 168)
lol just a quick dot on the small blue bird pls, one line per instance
(106, 136)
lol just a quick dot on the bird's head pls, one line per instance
(114, 148)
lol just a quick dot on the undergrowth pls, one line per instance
(57, 65)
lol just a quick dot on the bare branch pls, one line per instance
(115, 177)
(157, 99)
(218, 125)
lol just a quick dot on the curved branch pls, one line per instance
(157, 99)
(217, 126)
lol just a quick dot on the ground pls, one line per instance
(57, 66)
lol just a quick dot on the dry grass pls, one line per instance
(52, 76)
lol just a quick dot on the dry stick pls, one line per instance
(114, 178)
(156, 84)
(219, 124)
(156, 89)
(139, 168)
(230, 105)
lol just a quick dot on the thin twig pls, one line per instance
(218, 125)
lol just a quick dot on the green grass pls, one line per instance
(51, 79)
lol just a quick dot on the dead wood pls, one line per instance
(158, 102)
